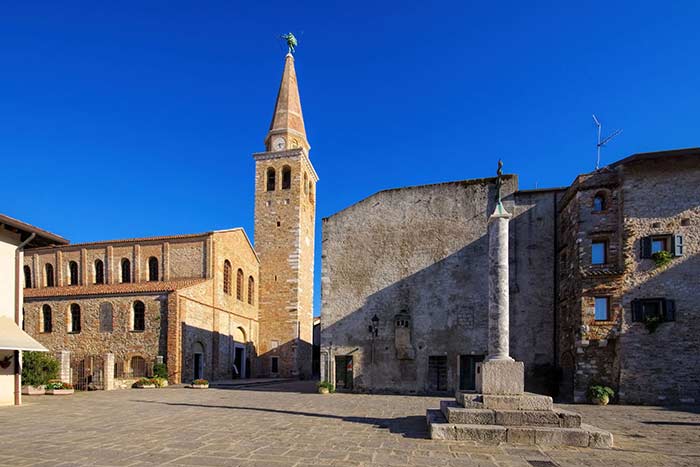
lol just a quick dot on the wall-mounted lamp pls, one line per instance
(374, 327)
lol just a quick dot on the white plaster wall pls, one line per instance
(8, 247)
(7, 380)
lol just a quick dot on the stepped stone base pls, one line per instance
(518, 419)
(583, 436)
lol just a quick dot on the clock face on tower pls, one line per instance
(278, 144)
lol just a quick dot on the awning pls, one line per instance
(13, 338)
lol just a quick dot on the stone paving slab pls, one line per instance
(289, 425)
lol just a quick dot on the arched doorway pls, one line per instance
(198, 361)
(566, 386)
(239, 368)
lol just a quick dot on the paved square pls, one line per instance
(288, 425)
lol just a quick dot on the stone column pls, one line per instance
(498, 285)
(64, 373)
(108, 369)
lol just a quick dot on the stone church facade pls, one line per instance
(404, 290)
(207, 305)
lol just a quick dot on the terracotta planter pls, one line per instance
(145, 386)
(323, 391)
(60, 392)
(33, 390)
(200, 386)
(602, 400)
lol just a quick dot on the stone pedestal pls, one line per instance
(502, 377)
(64, 373)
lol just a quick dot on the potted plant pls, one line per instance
(145, 383)
(200, 384)
(325, 387)
(600, 394)
(662, 258)
(59, 388)
(38, 369)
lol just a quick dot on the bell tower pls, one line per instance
(285, 210)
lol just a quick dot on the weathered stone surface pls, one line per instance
(499, 292)
(568, 419)
(457, 414)
(520, 435)
(598, 438)
(501, 377)
(523, 402)
(561, 436)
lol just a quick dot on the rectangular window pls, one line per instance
(602, 308)
(599, 252)
(274, 362)
(649, 308)
(658, 244)
(274, 345)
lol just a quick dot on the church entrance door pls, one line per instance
(343, 373)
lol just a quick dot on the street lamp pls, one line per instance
(374, 327)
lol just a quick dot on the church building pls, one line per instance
(208, 305)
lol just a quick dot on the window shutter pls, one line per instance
(670, 310)
(645, 244)
(677, 247)
(636, 311)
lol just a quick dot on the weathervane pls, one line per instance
(291, 41)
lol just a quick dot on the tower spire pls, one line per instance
(287, 127)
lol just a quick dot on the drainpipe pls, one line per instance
(18, 315)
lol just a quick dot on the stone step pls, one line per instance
(585, 436)
(454, 413)
(525, 401)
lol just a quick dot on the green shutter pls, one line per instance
(637, 311)
(645, 244)
(669, 310)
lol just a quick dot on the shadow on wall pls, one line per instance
(281, 362)
(667, 359)
(212, 355)
(433, 327)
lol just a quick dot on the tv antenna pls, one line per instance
(604, 141)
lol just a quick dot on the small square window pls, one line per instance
(602, 308)
(274, 344)
(599, 252)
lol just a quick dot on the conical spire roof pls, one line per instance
(287, 119)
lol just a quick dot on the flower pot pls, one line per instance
(601, 400)
(60, 392)
(33, 390)
(200, 386)
(323, 391)
(145, 386)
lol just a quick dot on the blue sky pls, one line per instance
(141, 119)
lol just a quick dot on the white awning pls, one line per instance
(13, 338)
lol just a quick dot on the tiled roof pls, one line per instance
(43, 237)
(112, 289)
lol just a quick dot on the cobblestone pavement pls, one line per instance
(287, 425)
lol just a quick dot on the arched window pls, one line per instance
(138, 367)
(251, 289)
(27, 277)
(106, 317)
(126, 270)
(306, 183)
(153, 269)
(99, 272)
(286, 177)
(72, 273)
(74, 318)
(227, 277)
(138, 316)
(46, 319)
(239, 284)
(270, 179)
(599, 202)
(49, 275)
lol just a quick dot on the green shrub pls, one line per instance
(59, 385)
(38, 368)
(598, 391)
(662, 258)
(651, 323)
(326, 384)
(160, 370)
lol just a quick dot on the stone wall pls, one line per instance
(415, 257)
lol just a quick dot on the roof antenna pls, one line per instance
(604, 141)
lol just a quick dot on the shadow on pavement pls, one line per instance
(413, 426)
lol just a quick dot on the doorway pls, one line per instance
(198, 366)
(239, 362)
(343, 373)
(467, 371)
(437, 373)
